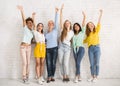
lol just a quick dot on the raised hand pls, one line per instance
(61, 16)
(62, 6)
(101, 11)
(83, 13)
(99, 19)
(22, 14)
(33, 14)
(20, 7)
(56, 10)
(33, 17)
(84, 18)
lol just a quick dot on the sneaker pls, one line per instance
(94, 80)
(90, 79)
(76, 80)
(40, 82)
(42, 79)
(25, 81)
(79, 79)
(36, 77)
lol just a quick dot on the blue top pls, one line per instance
(52, 37)
(27, 35)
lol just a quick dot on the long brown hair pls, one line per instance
(64, 32)
(42, 26)
(88, 29)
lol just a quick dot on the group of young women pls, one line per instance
(51, 46)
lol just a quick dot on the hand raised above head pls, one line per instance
(101, 10)
(83, 13)
(62, 6)
(33, 13)
(56, 9)
(19, 7)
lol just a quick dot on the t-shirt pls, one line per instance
(93, 38)
(27, 35)
(39, 37)
(68, 37)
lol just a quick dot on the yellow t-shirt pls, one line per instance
(93, 38)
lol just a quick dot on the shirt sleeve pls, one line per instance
(83, 29)
(56, 21)
(98, 27)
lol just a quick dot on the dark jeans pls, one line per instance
(78, 58)
(51, 57)
(94, 58)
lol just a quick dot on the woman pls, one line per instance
(92, 40)
(25, 47)
(64, 47)
(52, 47)
(39, 51)
(78, 47)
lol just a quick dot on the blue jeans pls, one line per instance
(78, 58)
(51, 57)
(94, 58)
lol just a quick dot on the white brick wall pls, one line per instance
(11, 33)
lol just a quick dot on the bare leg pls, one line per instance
(38, 67)
(42, 60)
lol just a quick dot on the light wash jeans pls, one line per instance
(94, 58)
(64, 56)
(78, 58)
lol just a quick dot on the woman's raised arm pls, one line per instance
(22, 14)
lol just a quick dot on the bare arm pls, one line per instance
(33, 17)
(84, 19)
(61, 17)
(22, 14)
(99, 19)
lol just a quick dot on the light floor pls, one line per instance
(58, 82)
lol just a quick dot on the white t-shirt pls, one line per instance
(27, 35)
(68, 37)
(39, 37)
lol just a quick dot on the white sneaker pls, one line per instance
(76, 80)
(94, 80)
(40, 82)
(90, 79)
(42, 79)
(36, 77)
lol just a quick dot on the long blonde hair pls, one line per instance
(64, 32)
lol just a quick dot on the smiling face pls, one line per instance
(91, 26)
(67, 24)
(50, 25)
(77, 28)
(40, 27)
(29, 24)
